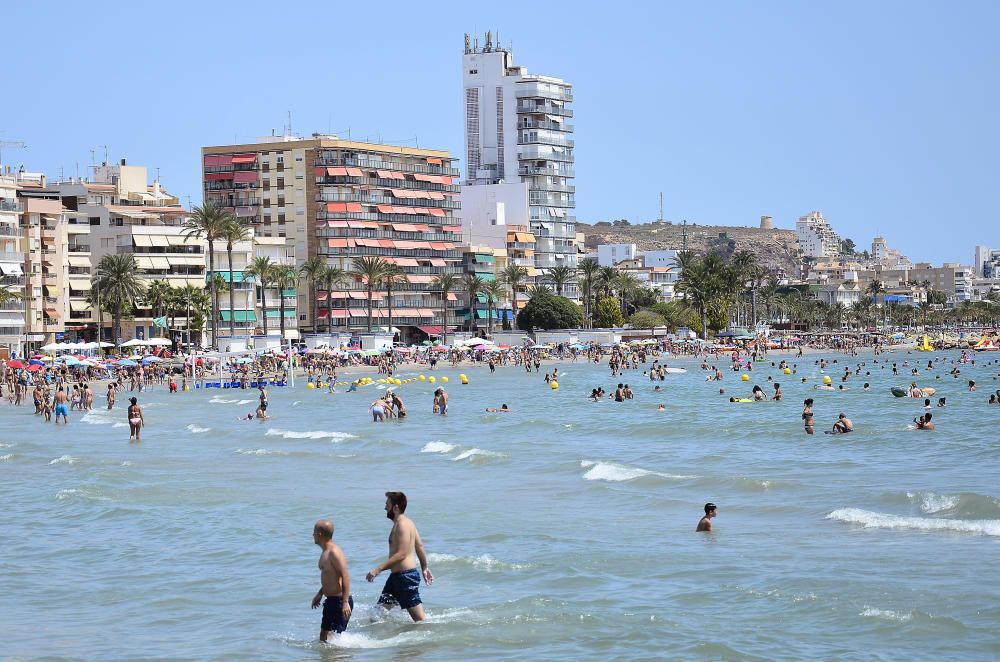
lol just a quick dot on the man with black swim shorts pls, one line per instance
(405, 547)
(335, 582)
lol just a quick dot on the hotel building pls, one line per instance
(519, 153)
(341, 200)
(816, 236)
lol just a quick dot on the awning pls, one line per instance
(78, 306)
(237, 276)
(11, 318)
(12, 269)
(336, 224)
(524, 237)
(241, 315)
(403, 261)
(77, 260)
(160, 262)
(244, 158)
(366, 225)
(142, 240)
(216, 176)
(390, 174)
(451, 228)
(289, 313)
(144, 262)
(353, 172)
(332, 172)
(336, 243)
(51, 290)
(437, 262)
(433, 160)
(178, 240)
(158, 240)
(452, 296)
(224, 159)
(343, 207)
(79, 284)
(52, 312)
(245, 177)
(431, 330)
(189, 260)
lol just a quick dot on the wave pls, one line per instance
(311, 434)
(482, 562)
(94, 418)
(196, 429)
(64, 495)
(4, 445)
(356, 640)
(7, 457)
(887, 614)
(64, 459)
(872, 520)
(216, 400)
(259, 451)
(120, 425)
(437, 447)
(617, 473)
(474, 453)
(931, 502)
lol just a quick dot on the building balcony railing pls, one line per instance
(229, 185)
(386, 234)
(556, 188)
(544, 109)
(545, 140)
(158, 251)
(12, 281)
(554, 200)
(534, 152)
(388, 200)
(386, 183)
(532, 123)
(6, 204)
(529, 171)
(79, 248)
(11, 256)
(386, 218)
(326, 158)
(228, 201)
(13, 306)
(236, 167)
(8, 230)
(525, 90)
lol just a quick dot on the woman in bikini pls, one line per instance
(807, 416)
(135, 420)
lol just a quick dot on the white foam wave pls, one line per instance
(95, 419)
(475, 452)
(196, 428)
(120, 425)
(63, 495)
(6, 458)
(931, 502)
(126, 463)
(3, 445)
(64, 459)
(216, 400)
(259, 451)
(296, 403)
(617, 473)
(872, 520)
(355, 640)
(311, 434)
(887, 614)
(482, 562)
(437, 447)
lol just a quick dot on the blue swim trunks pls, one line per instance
(402, 588)
(333, 614)
(62, 410)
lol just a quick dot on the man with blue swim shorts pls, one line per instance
(62, 409)
(405, 548)
(335, 582)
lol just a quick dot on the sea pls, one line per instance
(562, 530)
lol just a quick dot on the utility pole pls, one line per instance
(661, 207)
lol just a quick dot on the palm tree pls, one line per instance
(7, 295)
(312, 270)
(514, 275)
(209, 223)
(625, 284)
(234, 232)
(284, 277)
(394, 275)
(371, 270)
(588, 268)
(446, 282)
(494, 291)
(875, 288)
(120, 285)
(261, 269)
(605, 279)
(560, 276)
(332, 276)
(201, 305)
(186, 299)
(749, 272)
(156, 296)
(473, 285)
(701, 284)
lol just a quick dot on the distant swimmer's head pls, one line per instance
(710, 509)
(322, 531)
(395, 504)
(504, 407)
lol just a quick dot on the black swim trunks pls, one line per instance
(402, 588)
(333, 614)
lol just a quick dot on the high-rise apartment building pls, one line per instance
(816, 236)
(342, 200)
(11, 268)
(517, 130)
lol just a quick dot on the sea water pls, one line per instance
(561, 530)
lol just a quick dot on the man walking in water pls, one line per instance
(405, 547)
(335, 582)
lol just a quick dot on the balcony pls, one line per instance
(327, 158)
(545, 186)
(12, 281)
(387, 183)
(529, 171)
(524, 138)
(553, 200)
(544, 109)
(7, 204)
(537, 152)
(15, 306)
(7, 230)
(11, 256)
(79, 248)
(527, 90)
(532, 123)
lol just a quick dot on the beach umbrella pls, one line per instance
(135, 342)
(163, 342)
(34, 362)
(70, 362)
(129, 363)
(151, 359)
(51, 347)
(502, 346)
(15, 364)
(481, 347)
(35, 367)
(244, 360)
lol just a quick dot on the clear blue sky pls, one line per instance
(883, 115)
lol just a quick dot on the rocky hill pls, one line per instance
(774, 248)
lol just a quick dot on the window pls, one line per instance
(473, 72)
(95, 220)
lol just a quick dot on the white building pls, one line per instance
(816, 237)
(517, 131)
(661, 258)
(487, 211)
(888, 258)
(987, 262)
(608, 255)
(11, 268)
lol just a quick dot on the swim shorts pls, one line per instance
(402, 588)
(333, 614)
(62, 410)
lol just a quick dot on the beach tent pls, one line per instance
(135, 342)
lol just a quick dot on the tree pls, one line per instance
(209, 222)
(446, 283)
(494, 291)
(514, 275)
(626, 285)
(8, 295)
(546, 310)
(704, 284)
(312, 270)
(156, 296)
(120, 286)
(261, 269)
(473, 285)
(646, 319)
(588, 268)
(937, 297)
(560, 276)
(605, 280)
(284, 277)
(608, 313)
(235, 231)
(847, 247)
(332, 276)
(371, 271)
(394, 275)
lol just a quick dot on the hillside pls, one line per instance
(774, 248)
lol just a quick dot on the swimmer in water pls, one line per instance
(924, 422)
(807, 416)
(504, 409)
(843, 424)
(705, 523)
(661, 407)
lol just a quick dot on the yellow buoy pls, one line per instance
(553, 385)
(745, 377)
(422, 378)
(399, 382)
(432, 379)
(462, 376)
(463, 379)
(444, 380)
(827, 380)
(788, 371)
(310, 386)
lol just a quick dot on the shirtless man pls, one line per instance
(705, 523)
(843, 424)
(405, 547)
(335, 582)
(924, 422)
(440, 401)
(61, 408)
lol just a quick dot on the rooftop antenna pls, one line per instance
(289, 123)
(105, 153)
(661, 207)
(93, 158)
(157, 173)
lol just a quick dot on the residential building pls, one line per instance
(816, 236)
(279, 251)
(11, 267)
(660, 258)
(342, 200)
(847, 292)
(521, 252)
(887, 257)
(242, 316)
(479, 261)
(609, 255)
(987, 262)
(517, 131)
(44, 244)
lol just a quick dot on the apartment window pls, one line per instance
(281, 160)
(95, 220)
(299, 175)
(473, 72)
(298, 158)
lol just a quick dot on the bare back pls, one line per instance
(331, 563)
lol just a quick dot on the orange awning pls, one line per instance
(433, 160)
(244, 158)
(336, 243)
(367, 225)
(437, 262)
(353, 172)
(451, 228)
(336, 172)
(52, 312)
(343, 207)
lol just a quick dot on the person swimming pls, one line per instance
(504, 409)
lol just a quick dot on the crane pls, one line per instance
(7, 144)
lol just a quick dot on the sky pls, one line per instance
(882, 115)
